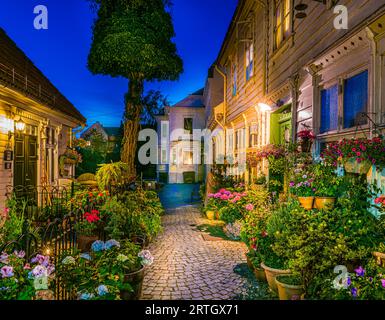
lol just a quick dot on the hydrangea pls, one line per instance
(233, 230)
(147, 258)
(4, 258)
(102, 290)
(42, 260)
(20, 254)
(86, 256)
(68, 260)
(98, 246)
(86, 296)
(6, 272)
(121, 258)
(111, 243)
(39, 271)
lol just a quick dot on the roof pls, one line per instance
(112, 131)
(107, 131)
(194, 100)
(16, 67)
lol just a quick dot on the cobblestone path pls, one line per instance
(188, 267)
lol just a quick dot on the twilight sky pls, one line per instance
(61, 51)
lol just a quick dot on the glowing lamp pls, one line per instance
(20, 125)
(263, 107)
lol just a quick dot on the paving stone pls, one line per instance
(187, 267)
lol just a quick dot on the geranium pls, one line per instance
(270, 150)
(249, 207)
(306, 135)
(93, 216)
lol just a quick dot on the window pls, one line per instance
(282, 21)
(188, 125)
(354, 98)
(329, 109)
(234, 79)
(164, 129)
(50, 155)
(164, 156)
(249, 61)
(253, 142)
(187, 157)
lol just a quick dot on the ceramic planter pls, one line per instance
(249, 263)
(352, 166)
(324, 203)
(260, 274)
(288, 291)
(271, 273)
(135, 279)
(306, 202)
(210, 215)
(84, 242)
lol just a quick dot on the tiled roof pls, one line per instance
(194, 100)
(19, 73)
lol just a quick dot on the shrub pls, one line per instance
(112, 174)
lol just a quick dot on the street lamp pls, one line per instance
(20, 125)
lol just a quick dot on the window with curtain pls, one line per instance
(249, 61)
(329, 109)
(355, 100)
(282, 21)
(253, 137)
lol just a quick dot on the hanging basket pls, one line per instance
(352, 166)
(306, 145)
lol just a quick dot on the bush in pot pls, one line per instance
(112, 271)
(301, 185)
(87, 230)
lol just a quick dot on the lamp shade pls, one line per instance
(20, 125)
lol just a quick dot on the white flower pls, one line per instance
(68, 260)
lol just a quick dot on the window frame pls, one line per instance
(249, 74)
(234, 79)
(190, 131)
(340, 82)
(285, 16)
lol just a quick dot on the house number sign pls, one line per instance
(8, 155)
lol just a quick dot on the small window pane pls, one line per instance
(188, 125)
(355, 100)
(329, 109)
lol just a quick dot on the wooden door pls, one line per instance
(25, 167)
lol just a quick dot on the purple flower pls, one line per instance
(6, 272)
(383, 283)
(360, 272)
(39, 271)
(40, 259)
(349, 281)
(19, 254)
(292, 184)
(249, 207)
(354, 292)
(4, 258)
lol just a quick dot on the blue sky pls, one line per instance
(61, 51)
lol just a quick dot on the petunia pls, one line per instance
(383, 283)
(6, 272)
(354, 292)
(360, 272)
(4, 258)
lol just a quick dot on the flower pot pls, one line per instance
(85, 242)
(324, 203)
(260, 274)
(380, 258)
(249, 263)
(139, 240)
(306, 202)
(69, 161)
(210, 215)
(271, 273)
(289, 291)
(135, 279)
(306, 145)
(352, 166)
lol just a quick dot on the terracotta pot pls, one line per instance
(352, 166)
(210, 215)
(85, 242)
(289, 291)
(260, 274)
(324, 203)
(139, 240)
(135, 279)
(249, 263)
(271, 273)
(306, 202)
(380, 258)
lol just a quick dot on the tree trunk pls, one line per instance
(132, 122)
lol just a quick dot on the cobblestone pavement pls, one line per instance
(188, 267)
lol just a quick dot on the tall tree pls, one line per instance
(133, 39)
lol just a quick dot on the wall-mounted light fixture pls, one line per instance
(263, 107)
(301, 7)
(20, 125)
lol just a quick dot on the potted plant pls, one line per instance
(306, 140)
(302, 187)
(274, 265)
(86, 230)
(327, 186)
(111, 271)
(289, 287)
(254, 261)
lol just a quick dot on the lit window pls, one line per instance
(187, 157)
(253, 135)
(249, 61)
(282, 21)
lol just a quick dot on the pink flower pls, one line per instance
(249, 207)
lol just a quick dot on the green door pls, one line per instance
(25, 167)
(284, 132)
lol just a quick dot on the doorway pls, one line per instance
(25, 163)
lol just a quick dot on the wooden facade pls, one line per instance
(27, 96)
(296, 61)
